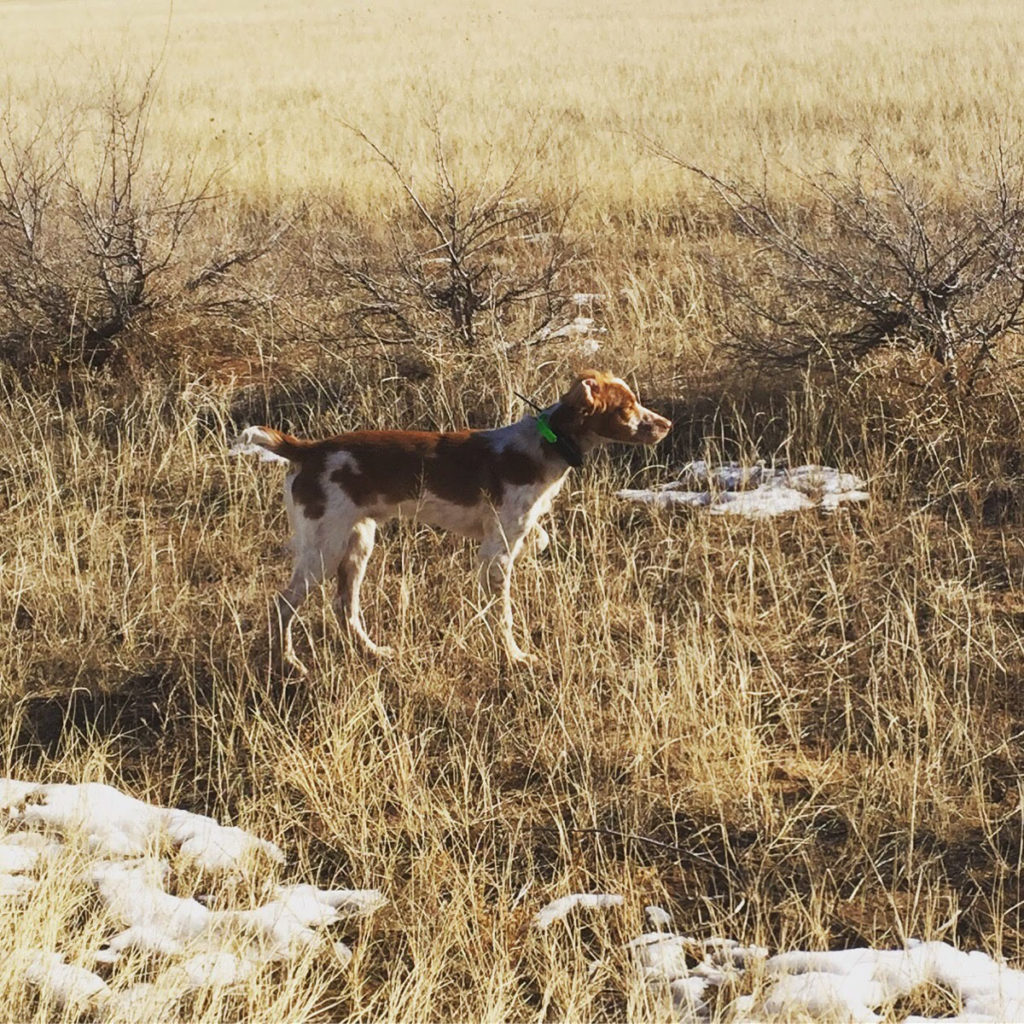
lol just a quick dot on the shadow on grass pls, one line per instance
(138, 712)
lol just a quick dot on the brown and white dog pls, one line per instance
(490, 485)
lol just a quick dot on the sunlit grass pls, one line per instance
(264, 89)
(798, 732)
(787, 732)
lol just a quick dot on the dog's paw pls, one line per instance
(380, 651)
(291, 666)
(521, 659)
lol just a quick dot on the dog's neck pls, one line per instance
(555, 440)
(577, 440)
(571, 444)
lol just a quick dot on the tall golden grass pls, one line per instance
(264, 89)
(800, 732)
(796, 732)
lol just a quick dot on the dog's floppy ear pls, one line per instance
(590, 388)
(586, 392)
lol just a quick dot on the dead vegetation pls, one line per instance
(802, 733)
(837, 266)
(797, 733)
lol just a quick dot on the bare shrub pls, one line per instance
(469, 262)
(845, 264)
(34, 297)
(92, 228)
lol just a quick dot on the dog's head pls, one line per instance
(605, 408)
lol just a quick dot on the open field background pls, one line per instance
(804, 732)
(261, 87)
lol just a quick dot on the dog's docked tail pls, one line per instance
(269, 444)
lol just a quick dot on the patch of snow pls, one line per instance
(161, 923)
(117, 825)
(581, 328)
(755, 491)
(728, 955)
(658, 916)
(575, 327)
(214, 847)
(667, 498)
(287, 923)
(823, 997)
(207, 970)
(22, 851)
(729, 476)
(16, 885)
(155, 1000)
(662, 957)
(156, 920)
(851, 981)
(559, 909)
(13, 792)
(65, 984)
(145, 1001)
(197, 947)
(843, 985)
(346, 902)
(832, 501)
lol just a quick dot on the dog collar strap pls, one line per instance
(544, 427)
(568, 449)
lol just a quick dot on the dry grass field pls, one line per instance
(262, 88)
(803, 732)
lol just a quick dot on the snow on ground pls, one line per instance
(858, 985)
(756, 491)
(701, 979)
(117, 825)
(558, 910)
(52, 827)
(116, 844)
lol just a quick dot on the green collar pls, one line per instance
(544, 429)
(566, 447)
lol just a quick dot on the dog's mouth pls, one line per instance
(633, 426)
(642, 433)
(653, 431)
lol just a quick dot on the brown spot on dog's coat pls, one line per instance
(307, 484)
(397, 465)
(387, 467)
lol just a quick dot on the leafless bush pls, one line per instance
(846, 264)
(91, 228)
(471, 263)
(32, 290)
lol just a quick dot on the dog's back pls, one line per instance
(450, 479)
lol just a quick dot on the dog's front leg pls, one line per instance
(497, 555)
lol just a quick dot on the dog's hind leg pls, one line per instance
(309, 570)
(351, 570)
